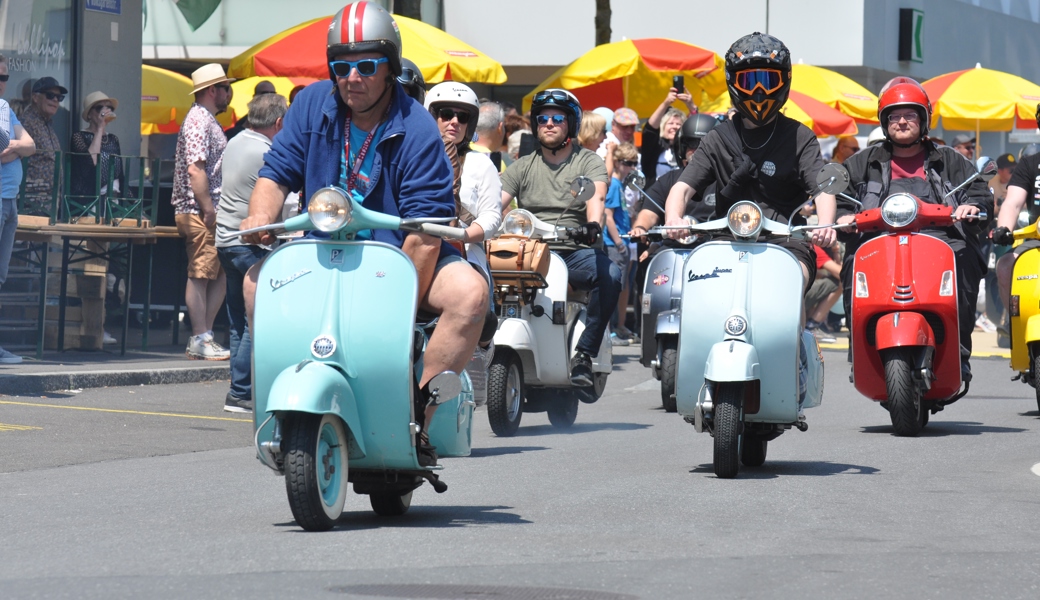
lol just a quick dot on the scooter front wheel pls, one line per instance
(390, 504)
(315, 469)
(505, 393)
(669, 357)
(727, 428)
(904, 397)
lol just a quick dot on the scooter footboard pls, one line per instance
(318, 388)
(899, 329)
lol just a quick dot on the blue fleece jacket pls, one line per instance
(411, 175)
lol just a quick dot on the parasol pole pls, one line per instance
(978, 144)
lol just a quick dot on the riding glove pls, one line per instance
(586, 234)
(1002, 236)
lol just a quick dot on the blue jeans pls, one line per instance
(236, 260)
(8, 227)
(591, 270)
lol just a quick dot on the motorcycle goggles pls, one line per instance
(769, 80)
(556, 95)
(366, 67)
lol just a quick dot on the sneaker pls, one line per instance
(822, 336)
(811, 325)
(486, 354)
(581, 370)
(239, 405)
(616, 340)
(985, 324)
(425, 452)
(200, 348)
(108, 339)
(965, 371)
(9, 358)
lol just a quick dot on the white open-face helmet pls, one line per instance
(455, 95)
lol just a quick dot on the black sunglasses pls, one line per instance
(223, 86)
(629, 163)
(53, 96)
(4, 78)
(447, 114)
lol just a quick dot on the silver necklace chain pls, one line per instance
(750, 147)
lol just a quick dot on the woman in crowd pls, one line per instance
(658, 132)
(94, 146)
(592, 133)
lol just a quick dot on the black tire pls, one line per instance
(1036, 376)
(315, 469)
(590, 395)
(563, 410)
(727, 427)
(505, 393)
(669, 355)
(753, 451)
(390, 504)
(905, 405)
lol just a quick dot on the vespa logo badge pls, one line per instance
(743, 255)
(769, 168)
(714, 273)
(1024, 277)
(280, 283)
(904, 240)
(323, 346)
(336, 257)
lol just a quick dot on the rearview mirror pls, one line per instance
(986, 166)
(636, 180)
(582, 189)
(832, 179)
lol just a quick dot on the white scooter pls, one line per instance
(540, 322)
(746, 366)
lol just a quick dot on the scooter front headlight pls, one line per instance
(745, 219)
(899, 210)
(518, 222)
(329, 209)
(1023, 220)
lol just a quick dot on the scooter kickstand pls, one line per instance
(438, 486)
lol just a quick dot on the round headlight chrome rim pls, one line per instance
(329, 209)
(736, 325)
(899, 210)
(744, 219)
(518, 222)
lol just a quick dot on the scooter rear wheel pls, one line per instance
(505, 392)
(315, 469)
(905, 405)
(669, 355)
(390, 504)
(753, 451)
(563, 410)
(727, 428)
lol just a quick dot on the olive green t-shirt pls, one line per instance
(545, 189)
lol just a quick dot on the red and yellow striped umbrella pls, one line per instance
(638, 74)
(982, 100)
(816, 115)
(300, 52)
(165, 100)
(836, 91)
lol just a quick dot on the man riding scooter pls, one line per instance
(907, 161)
(541, 183)
(761, 155)
(362, 133)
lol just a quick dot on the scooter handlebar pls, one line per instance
(443, 231)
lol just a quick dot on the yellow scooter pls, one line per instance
(1025, 311)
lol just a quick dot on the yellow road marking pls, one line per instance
(9, 427)
(128, 412)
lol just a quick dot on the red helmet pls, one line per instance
(364, 27)
(904, 91)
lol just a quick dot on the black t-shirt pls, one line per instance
(701, 205)
(785, 153)
(1027, 176)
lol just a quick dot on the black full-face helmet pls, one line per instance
(691, 134)
(411, 78)
(758, 75)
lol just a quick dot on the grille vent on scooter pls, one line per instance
(903, 294)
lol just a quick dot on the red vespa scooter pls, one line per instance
(904, 329)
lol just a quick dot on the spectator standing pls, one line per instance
(845, 147)
(491, 132)
(618, 224)
(593, 134)
(514, 127)
(196, 192)
(659, 131)
(243, 158)
(37, 118)
(94, 145)
(16, 145)
(964, 144)
(622, 128)
(262, 88)
(824, 293)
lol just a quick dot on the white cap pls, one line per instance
(876, 136)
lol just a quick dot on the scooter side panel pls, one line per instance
(551, 356)
(450, 430)
(774, 307)
(1025, 283)
(362, 296)
(661, 285)
(917, 260)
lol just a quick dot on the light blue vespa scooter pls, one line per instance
(747, 367)
(336, 349)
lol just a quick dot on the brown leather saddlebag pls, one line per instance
(514, 253)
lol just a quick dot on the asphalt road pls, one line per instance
(154, 492)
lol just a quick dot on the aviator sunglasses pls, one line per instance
(54, 96)
(557, 120)
(366, 67)
(447, 114)
(770, 80)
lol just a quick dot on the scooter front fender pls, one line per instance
(732, 361)
(317, 388)
(899, 329)
(667, 323)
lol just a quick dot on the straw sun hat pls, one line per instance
(92, 99)
(208, 75)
